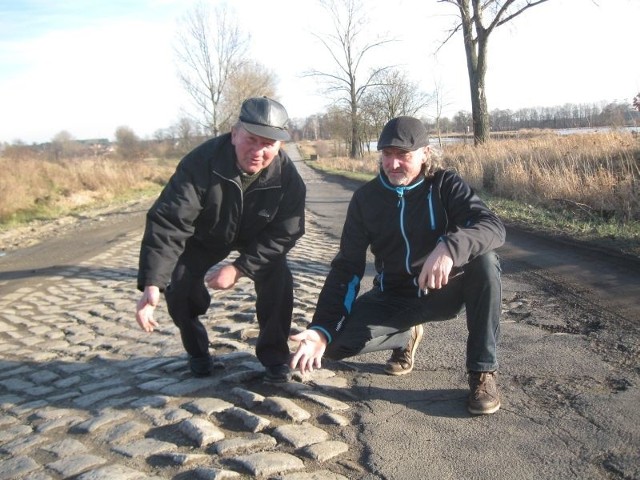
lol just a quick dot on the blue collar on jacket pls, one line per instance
(399, 190)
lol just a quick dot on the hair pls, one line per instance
(434, 161)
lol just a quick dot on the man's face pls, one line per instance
(402, 167)
(254, 153)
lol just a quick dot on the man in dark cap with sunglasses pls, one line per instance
(433, 241)
(236, 192)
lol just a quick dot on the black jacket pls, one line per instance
(203, 207)
(402, 225)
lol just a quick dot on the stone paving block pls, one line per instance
(248, 398)
(324, 400)
(318, 475)
(43, 376)
(207, 406)
(75, 464)
(12, 369)
(93, 386)
(154, 401)
(184, 458)
(16, 384)
(253, 422)
(17, 467)
(144, 448)
(95, 423)
(7, 420)
(113, 472)
(14, 431)
(63, 422)
(269, 463)
(236, 445)
(158, 384)
(330, 418)
(22, 444)
(286, 408)
(176, 414)
(300, 435)
(65, 447)
(68, 382)
(324, 451)
(93, 398)
(151, 364)
(204, 473)
(186, 387)
(125, 431)
(201, 431)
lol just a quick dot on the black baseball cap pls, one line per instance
(406, 133)
(265, 117)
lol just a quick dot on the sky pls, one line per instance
(89, 66)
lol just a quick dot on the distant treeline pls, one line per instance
(566, 116)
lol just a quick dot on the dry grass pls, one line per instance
(596, 174)
(36, 188)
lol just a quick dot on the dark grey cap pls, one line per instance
(407, 133)
(265, 117)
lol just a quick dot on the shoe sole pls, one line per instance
(413, 356)
(485, 411)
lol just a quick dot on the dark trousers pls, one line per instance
(188, 297)
(382, 320)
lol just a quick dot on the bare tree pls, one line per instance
(476, 31)
(250, 79)
(395, 95)
(636, 102)
(439, 106)
(128, 143)
(62, 145)
(348, 49)
(210, 48)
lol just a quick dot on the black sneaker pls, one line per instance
(484, 397)
(277, 374)
(201, 366)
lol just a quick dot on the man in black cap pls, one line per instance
(236, 192)
(433, 241)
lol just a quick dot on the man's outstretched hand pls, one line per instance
(309, 353)
(145, 308)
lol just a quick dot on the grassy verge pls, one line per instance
(37, 189)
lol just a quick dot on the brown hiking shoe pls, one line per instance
(484, 397)
(401, 361)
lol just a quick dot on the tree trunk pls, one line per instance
(476, 52)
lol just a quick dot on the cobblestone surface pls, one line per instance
(85, 394)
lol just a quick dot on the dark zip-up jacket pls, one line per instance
(203, 207)
(402, 225)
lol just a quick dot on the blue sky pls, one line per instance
(90, 66)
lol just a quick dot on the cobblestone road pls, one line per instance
(85, 394)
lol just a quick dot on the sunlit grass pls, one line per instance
(33, 188)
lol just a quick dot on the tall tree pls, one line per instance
(348, 44)
(210, 49)
(476, 30)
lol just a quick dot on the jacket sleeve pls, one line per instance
(342, 284)
(473, 228)
(280, 235)
(170, 222)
